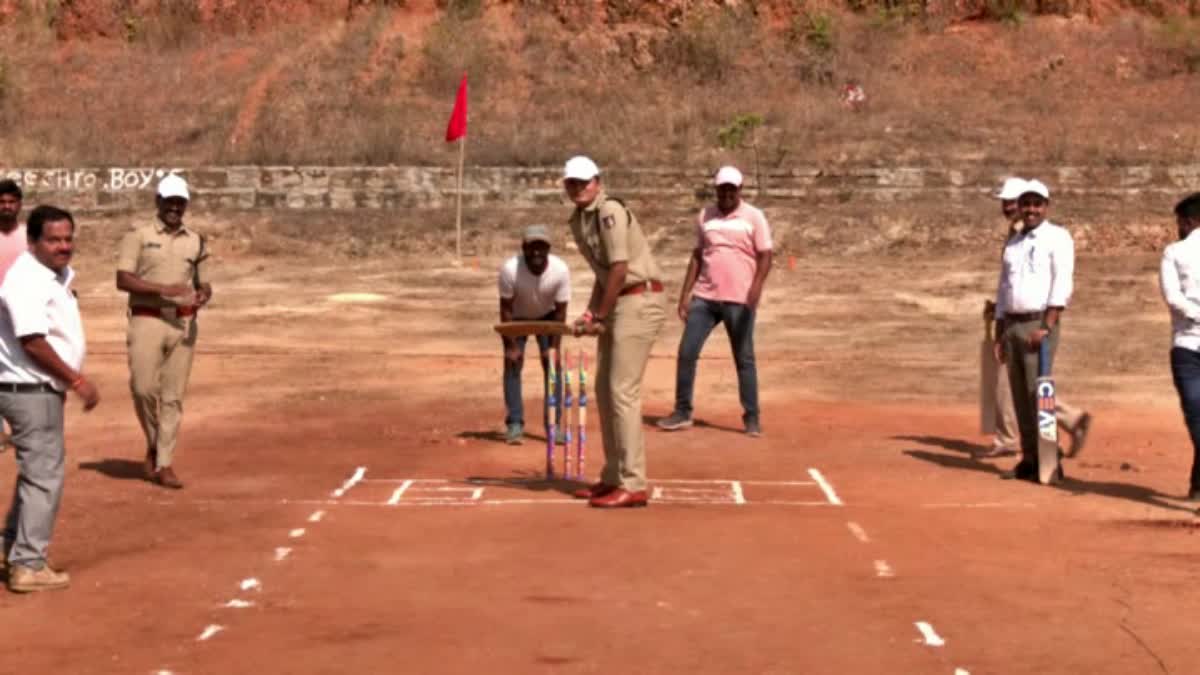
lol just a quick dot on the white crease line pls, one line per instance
(883, 570)
(477, 494)
(316, 516)
(405, 480)
(238, 603)
(979, 505)
(656, 493)
(281, 552)
(297, 533)
(961, 671)
(395, 498)
(699, 500)
(209, 631)
(358, 476)
(858, 532)
(250, 583)
(739, 497)
(931, 638)
(705, 490)
(825, 487)
(743, 482)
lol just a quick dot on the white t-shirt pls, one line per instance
(534, 296)
(36, 301)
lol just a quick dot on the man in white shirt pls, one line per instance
(1074, 421)
(534, 285)
(1036, 283)
(1179, 278)
(41, 354)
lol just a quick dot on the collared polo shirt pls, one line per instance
(729, 245)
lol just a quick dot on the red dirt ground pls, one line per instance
(293, 392)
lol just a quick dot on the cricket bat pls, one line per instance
(989, 371)
(1046, 423)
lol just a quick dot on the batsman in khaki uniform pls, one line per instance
(627, 310)
(160, 266)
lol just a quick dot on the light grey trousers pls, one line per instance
(37, 432)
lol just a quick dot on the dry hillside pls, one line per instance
(640, 83)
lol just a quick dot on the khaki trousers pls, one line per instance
(620, 364)
(160, 361)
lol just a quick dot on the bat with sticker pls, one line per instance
(1047, 424)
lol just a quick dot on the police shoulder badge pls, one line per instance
(608, 221)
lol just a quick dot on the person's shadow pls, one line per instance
(955, 444)
(120, 469)
(529, 481)
(652, 421)
(495, 436)
(1135, 493)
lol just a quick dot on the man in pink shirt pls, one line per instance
(12, 244)
(724, 282)
(12, 234)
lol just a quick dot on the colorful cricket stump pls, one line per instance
(581, 434)
(566, 418)
(551, 409)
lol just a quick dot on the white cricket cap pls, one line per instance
(173, 185)
(728, 175)
(1012, 188)
(1037, 187)
(580, 168)
(536, 233)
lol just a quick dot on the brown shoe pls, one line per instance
(149, 464)
(166, 477)
(620, 498)
(597, 489)
(23, 579)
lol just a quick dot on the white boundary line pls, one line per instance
(358, 476)
(858, 532)
(395, 498)
(825, 487)
(739, 497)
(928, 635)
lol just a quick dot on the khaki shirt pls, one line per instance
(160, 257)
(606, 233)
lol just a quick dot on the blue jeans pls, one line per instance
(703, 316)
(1185, 370)
(513, 403)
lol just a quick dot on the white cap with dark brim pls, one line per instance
(728, 175)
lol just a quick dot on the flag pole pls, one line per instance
(462, 153)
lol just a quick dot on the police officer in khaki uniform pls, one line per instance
(160, 267)
(627, 310)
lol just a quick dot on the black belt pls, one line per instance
(1019, 317)
(27, 388)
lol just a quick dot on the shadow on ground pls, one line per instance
(120, 469)
(1075, 486)
(527, 481)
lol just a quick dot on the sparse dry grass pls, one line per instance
(1029, 91)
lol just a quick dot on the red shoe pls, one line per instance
(597, 489)
(620, 498)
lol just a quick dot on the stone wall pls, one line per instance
(119, 189)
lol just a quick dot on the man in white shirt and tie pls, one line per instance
(1036, 282)
(41, 354)
(1179, 278)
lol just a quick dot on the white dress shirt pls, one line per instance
(1036, 271)
(534, 295)
(36, 301)
(1179, 279)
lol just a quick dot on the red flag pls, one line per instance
(457, 128)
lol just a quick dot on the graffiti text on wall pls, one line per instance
(112, 179)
